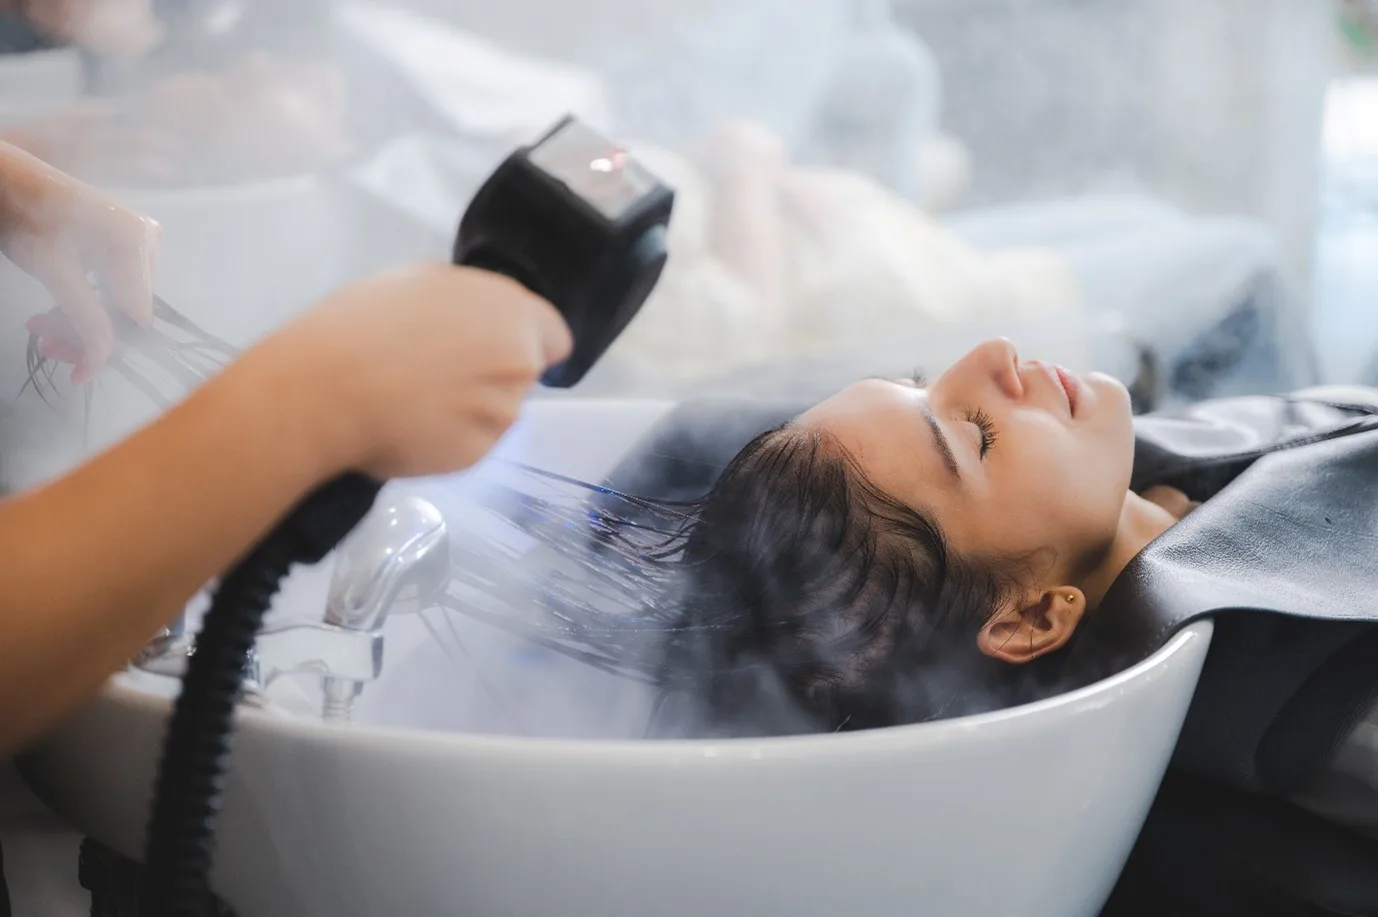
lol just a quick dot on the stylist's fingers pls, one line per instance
(556, 339)
(80, 303)
(57, 339)
(62, 351)
(128, 264)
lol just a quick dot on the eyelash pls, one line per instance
(986, 425)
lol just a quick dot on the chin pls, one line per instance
(1112, 394)
(1114, 410)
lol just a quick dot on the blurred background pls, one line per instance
(1174, 191)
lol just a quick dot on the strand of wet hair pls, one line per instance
(597, 586)
(172, 346)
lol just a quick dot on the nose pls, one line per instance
(998, 361)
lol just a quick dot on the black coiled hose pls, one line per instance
(186, 804)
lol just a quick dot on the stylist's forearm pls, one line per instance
(22, 180)
(182, 499)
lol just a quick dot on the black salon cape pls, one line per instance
(1283, 556)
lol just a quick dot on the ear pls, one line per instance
(1026, 629)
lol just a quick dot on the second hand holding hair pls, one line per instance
(64, 233)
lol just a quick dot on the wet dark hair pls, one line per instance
(809, 600)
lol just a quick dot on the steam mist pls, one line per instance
(289, 147)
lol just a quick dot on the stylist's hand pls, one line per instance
(124, 28)
(67, 235)
(419, 370)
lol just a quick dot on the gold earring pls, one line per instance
(1071, 597)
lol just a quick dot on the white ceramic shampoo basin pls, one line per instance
(1029, 812)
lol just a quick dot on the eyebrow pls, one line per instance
(940, 440)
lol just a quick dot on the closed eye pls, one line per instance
(986, 425)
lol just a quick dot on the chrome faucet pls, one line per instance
(396, 562)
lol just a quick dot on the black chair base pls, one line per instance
(1208, 851)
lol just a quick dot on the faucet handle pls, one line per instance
(167, 653)
(396, 561)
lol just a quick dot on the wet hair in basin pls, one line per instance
(810, 600)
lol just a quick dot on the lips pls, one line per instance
(1071, 387)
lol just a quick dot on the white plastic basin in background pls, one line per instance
(1025, 813)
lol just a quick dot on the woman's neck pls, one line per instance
(1141, 521)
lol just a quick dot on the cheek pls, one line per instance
(1066, 484)
(1041, 455)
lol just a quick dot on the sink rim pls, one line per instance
(708, 752)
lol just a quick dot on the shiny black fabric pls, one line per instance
(1282, 556)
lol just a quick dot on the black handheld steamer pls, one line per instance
(580, 223)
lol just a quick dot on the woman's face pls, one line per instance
(1014, 459)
